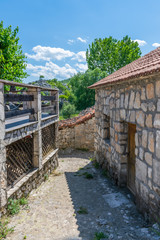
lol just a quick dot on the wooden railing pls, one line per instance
(29, 100)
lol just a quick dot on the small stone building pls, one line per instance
(127, 138)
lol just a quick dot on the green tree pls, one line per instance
(109, 54)
(41, 77)
(12, 60)
(67, 110)
(85, 97)
(67, 93)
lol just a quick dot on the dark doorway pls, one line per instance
(131, 157)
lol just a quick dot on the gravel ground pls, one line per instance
(72, 205)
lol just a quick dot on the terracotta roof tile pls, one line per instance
(146, 65)
(82, 117)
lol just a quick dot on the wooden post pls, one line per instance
(37, 139)
(57, 103)
(3, 170)
(53, 103)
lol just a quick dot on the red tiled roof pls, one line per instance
(144, 66)
(83, 116)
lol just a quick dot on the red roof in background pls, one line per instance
(144, 66)
(83, 116)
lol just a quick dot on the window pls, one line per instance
(106, 127)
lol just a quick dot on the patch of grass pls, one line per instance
(4, 230)
(80, 169)
(99, 236)
(82, 210)
(14, 205)
(96, 165)
(46, 176)
(56, 174)
(88, 175)
(157, 229)
(105, 174)
(23, 201)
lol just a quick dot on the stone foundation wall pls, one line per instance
(33, 179)
(136, 102)
(80, 136)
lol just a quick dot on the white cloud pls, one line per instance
(49, 53)
(140, 42)
(81, 67)
(52, 70)
(80, 56)
(71, 41)
(81, 40)
(156, 44)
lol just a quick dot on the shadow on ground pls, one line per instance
(96, 207)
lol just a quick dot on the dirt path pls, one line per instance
(53, 207)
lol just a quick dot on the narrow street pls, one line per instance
(79, 202)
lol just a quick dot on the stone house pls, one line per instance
(127, 138)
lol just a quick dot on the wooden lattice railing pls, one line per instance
(48, 140)
(19, 157)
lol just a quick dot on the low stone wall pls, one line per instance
(33, 179)
(78, 132)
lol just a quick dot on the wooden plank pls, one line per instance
(10, 83)
(48, 98)
(18, 97)
(18, 112)
(48, 109)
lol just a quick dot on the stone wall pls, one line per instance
(136, 102)
(78, 133)
(33, 179)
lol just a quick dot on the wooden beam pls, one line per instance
(18, 112)
(18, 97)
(48, 98)
(10, 83)
(47, 109)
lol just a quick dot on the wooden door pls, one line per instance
(131, 157)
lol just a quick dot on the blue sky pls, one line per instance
(56, 33)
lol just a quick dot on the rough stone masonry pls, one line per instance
(134, 100)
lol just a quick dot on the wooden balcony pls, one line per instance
(28, 131)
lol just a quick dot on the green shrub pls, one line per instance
(4, 230)
(96, 164)
(88, 175)
(23, 201)
(82, 210)
(67, 110)
(99, 236)
(14, 205)
(46, 177)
